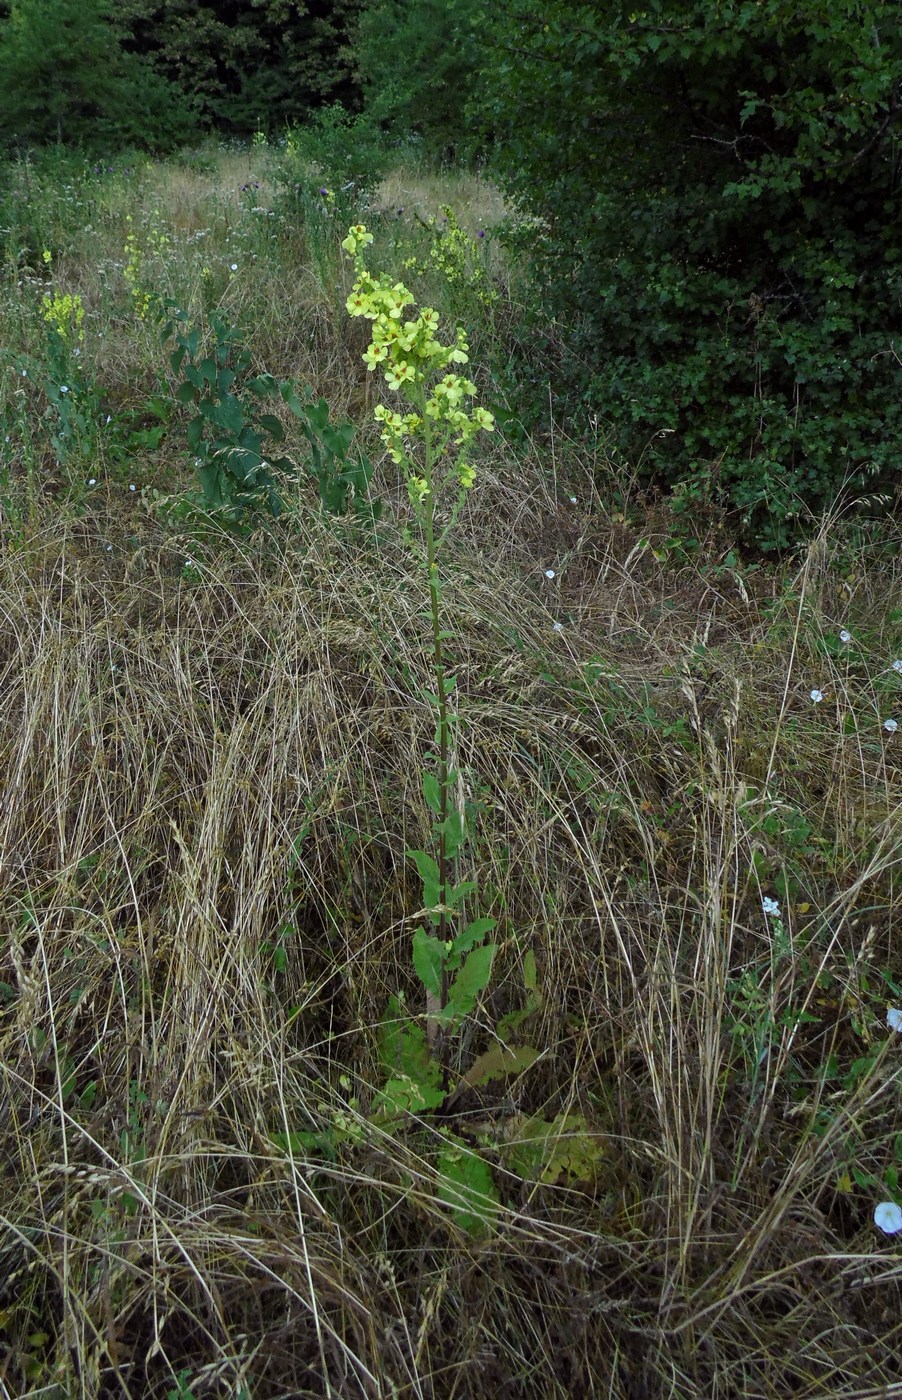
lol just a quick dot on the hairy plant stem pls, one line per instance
(443, 728)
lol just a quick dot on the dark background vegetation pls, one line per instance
(707, 194)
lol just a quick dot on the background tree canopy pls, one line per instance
(714, 188)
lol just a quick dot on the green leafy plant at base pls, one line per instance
(229, 430)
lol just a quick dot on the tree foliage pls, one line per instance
(712, 197)
(248, 64)
(66, 78)
(416, 64)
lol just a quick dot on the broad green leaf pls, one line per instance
(408, 1095)
(432, 791)
(471, 980)
(459, 892)
(454, 830)
(466, 1187)
(428, 960)
(429, 874)
(467, 939)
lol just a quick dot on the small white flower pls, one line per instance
(92, 480)
(108, 420)
(25, 374)
(549, 573)
(817, 696)
(890, 725)
(64, 388)
(894, 1018)
(234, 267)
(557, 626)
(572, 500)
(109, 549)
(897, 666)
(132, 486)
(845, 636)
(770, 907)
(888, 1217)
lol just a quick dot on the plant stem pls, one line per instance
(438, 663)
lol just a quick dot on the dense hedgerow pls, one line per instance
(714, 200)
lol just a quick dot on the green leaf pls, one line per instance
(432, 792)
(498, 1063)
(428, 961)
(471, 980)
(271, 425)
(459, 892)
(454, 830)
(466, 1186)
(429, 874)
(467, 939)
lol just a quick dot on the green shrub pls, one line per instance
(709, 201)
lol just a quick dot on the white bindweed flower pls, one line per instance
(557, 626)
(894, 1018)
(549, 573)
(92, 480)
(817, 695)
(897, 666)
(132, 486)
(64, 388)
(572, 500)
(234, 267)
(890, 725)
(845, 636)
(888, 1217)
(770, 907)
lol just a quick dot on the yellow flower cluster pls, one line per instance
(64, 314)
(453, 256)
(135, 257)
(410, 357)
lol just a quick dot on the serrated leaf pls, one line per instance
(499, 1062)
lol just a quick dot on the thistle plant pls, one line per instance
(429, 440)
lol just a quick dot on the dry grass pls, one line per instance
(191, 766)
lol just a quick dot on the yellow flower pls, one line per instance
(399, 374)
(484, 419)
(374, 355)
(467, 477)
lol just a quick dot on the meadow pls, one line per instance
(250, 1144)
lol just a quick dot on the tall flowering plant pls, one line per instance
(427, 430)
